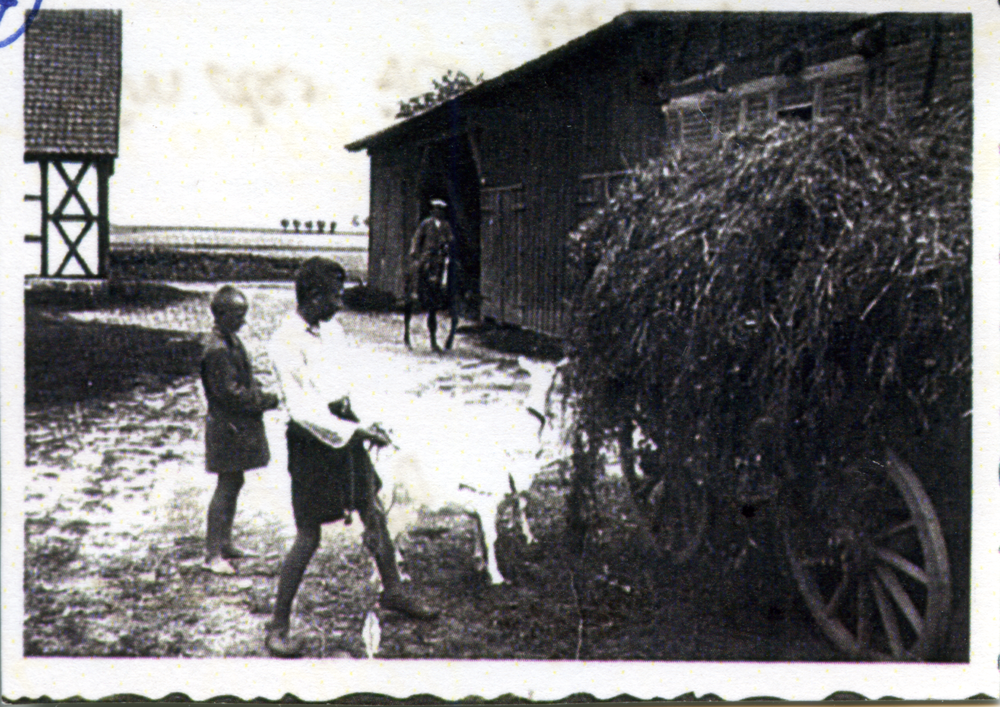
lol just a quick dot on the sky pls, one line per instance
(236, 113)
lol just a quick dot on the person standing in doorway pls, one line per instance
(332, 474)
(234, 427)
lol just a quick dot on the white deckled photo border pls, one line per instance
(35, 678)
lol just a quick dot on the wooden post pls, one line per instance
(933, 60)
(44, 167)
(817, 99)
(103, 221)
(716, 121)
(868, 77)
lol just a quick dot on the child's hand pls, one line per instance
(374, 434)
(268, 401)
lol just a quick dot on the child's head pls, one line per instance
(229, 307)
(319, 289)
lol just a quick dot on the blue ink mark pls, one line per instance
(6, 5)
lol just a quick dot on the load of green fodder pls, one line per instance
(816, 273)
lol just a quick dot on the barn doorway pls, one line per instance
(448, 171)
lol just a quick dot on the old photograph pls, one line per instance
(469, 350)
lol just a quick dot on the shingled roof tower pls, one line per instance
(72, 98)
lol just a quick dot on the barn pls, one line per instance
(72, 98)
(524, 157)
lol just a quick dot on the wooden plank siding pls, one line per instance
(892, 85)
(551, 144)
(393, 217)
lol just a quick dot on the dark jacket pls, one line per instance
(234, 429)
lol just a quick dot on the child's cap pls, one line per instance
(227, 298)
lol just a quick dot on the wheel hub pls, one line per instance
(854, 548)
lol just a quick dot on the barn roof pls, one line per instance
(620, 25)
(618, 30)
(786, 28)
(72, 83)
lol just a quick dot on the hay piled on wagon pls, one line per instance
(820, 269)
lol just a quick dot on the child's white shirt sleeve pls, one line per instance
(312, 372)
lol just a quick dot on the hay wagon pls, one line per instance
(859, 533)
(776, 338)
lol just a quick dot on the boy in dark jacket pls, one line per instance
(234, 429)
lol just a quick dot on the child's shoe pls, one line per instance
(281, 645)
(219, 565)
(406, 604)
(235, 553)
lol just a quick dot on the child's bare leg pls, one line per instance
(432, 326)
(378, 541)
(407, 313)
(292, 570)
(222, 513)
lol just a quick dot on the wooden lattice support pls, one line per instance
(93, 219)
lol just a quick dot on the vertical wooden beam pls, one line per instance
(44, 167)
(406, 228)
(103, 220)
(867, 79)
(890, 83)
(473, 139)
(373, 255)
(818, 99)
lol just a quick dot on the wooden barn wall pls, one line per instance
(393, 215)
(892, 86)
(554, 157)
(552, 148)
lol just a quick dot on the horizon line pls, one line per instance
(121, 228)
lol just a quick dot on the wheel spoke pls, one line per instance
(889, 622)
(896, 608)
(864, 618)
(901, 598)
(647, 487)
(687, 514)
(902, 564)
(896, 529)
(838, 594)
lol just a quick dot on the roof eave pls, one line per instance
(68, 155)
(412, 123)
(624, 22)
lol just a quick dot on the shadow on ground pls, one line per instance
(67, 361)
(614, 600)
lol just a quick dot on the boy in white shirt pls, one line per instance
(332, 474)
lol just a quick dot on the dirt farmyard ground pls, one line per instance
(116, 498)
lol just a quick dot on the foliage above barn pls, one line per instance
(449, 86)
(820, 267)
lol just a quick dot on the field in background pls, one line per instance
(237, 239)
(216, 254)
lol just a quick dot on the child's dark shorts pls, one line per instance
(328, 483)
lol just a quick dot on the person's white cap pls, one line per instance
(439, 202)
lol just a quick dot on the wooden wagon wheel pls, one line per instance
(870, 561)
(672, 503)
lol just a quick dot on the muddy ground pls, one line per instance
(116, 498)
